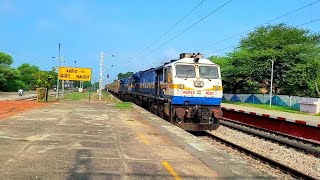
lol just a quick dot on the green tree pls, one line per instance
(125, 75)
(304, 77)
(86, 84)
(235, 80)
(9, 77)
(295, 53)
(5, 59)
(45, 79)
(27, 73)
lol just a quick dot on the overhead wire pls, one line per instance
(167, 32)
(163, 35)
(279, 17)
(212, 12)
(231, 37)
(309, 22)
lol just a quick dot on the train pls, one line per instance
(186, 92)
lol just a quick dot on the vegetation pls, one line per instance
(86, 84)
(296, 56)
(24, 77)
(76, 96)
(125, 75)
(266, 106)
(123, 105)
(27, 76)
(9, 77)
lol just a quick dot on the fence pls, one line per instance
(279, 100)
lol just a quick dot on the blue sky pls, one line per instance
(31, 30)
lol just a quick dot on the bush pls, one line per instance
(15, 85)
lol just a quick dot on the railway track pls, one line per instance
(294, 142)
(307, 146)
(284, 168)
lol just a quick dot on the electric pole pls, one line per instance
(100, 80)
(271, 82)
(57, 94)
(62, 83)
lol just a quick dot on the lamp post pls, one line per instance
(57, 94)
(63, 81)
(108, 75)
(100, 79)
(271, 82)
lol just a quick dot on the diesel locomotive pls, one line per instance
(185, 91)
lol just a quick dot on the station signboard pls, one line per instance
(74, 74)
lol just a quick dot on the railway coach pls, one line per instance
(185, 91)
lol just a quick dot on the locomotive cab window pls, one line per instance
(185, 71)
(167, 75)
(209, 72)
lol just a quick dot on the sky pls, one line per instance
(124, 29)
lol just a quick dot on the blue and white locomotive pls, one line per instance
(186, 91)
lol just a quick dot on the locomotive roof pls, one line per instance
(191, 60)
(183, 60)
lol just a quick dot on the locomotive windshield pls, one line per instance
(185, 71)
(209, 72)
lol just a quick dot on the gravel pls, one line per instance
(307, 164)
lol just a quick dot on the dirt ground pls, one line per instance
(9, 108)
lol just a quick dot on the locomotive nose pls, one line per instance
(217, 113)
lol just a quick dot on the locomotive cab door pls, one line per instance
(159, 73)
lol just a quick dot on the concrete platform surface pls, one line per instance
(10, 96)
(82, 140)
(292, 117)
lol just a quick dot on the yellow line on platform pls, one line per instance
(144, 140)
(171, 171)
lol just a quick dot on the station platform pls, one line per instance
(94, 140)
(285, 116)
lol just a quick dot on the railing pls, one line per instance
(279, 100)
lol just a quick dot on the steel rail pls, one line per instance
(273, 163)
(313, 142)
(306, 146)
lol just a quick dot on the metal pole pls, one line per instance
(74, 82)
(90, 88)
(107, 84)
(57, 94)
(271, 82)
(62, 83)
(100, 80)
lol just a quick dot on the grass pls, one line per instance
(123, 105)
(107, 97)
(266, 106)
(76, 96)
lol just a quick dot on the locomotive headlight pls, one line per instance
(181, 86)
(216, 88)
(198, 83)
